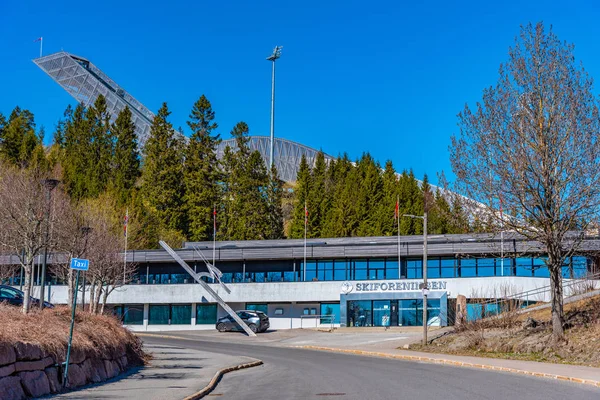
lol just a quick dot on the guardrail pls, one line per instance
(318, 320)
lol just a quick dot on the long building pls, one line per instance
(357, 281)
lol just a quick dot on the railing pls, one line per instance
(318, 320)
(516, 301)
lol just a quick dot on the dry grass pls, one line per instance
(511, 339)
(95, 335)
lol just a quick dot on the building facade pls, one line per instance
(359, 282)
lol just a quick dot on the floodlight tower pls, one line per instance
(276, 54)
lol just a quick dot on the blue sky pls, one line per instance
(354, 76)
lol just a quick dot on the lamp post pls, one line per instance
(49, 185)
(425, 288)
(276, 54)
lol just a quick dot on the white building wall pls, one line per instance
(286, 292)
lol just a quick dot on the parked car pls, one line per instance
(15, 297)
(257, 321)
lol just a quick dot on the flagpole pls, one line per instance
(501, 239)
(125, 256)
(398, 220)
(305, 222)
(214, 234)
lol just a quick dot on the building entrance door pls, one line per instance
(381, 312)
(394, 316)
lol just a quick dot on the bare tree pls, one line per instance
(22, 218)
(531, 147)
(72, 227)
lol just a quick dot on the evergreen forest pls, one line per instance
(176, 189)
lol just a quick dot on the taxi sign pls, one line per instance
(80, 264)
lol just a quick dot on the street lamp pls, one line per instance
(276, 54)
(424, 288)
(49, 185)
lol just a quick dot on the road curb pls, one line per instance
(456, 363)
(215, 380)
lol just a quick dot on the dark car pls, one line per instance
(15, 297)
(257, 321)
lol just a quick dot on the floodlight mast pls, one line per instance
(276, 54)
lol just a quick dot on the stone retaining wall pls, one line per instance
(27, 371)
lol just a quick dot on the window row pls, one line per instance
(373, 269)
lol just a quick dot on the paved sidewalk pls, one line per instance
(572, 373)
(174, 373)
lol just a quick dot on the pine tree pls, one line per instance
(126, 161)
(316, 197)
(368, 197)
(302, 190)
(338, 171)
(18, 138)
(201, 174)
(74, 160)
(162, 174)
(235, 167)
(253, 200)
(274, 205)
(101, 147)
(385, 211)
(407, 185)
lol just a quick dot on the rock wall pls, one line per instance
(27, 371)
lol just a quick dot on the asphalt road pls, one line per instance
(306, 374)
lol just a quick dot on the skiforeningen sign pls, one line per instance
(398, 286)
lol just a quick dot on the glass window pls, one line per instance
(158, 314)
(330, 309)
(311, 271)
(181, 314)
(179, 278)
(433, 268)
(391, 269)
(257, 307)
(540, 269)
(381, 312)
(238, 277)
(524, 266)
(414, 269)
(133, 314)
(448, 267)
(410, 312)
(504, 266)
(433, 312)
(274, 276)
(360, 270)
(278, 311)
(259, 277)
(467, 267)
(360, 313)
(289, 276)
(580, 269)
(339, 270)
(376, 269)
(485, 267)
(206, 314)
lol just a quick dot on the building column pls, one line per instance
(193, 314)
(146, 313)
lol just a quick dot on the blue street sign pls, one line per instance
(80, 264)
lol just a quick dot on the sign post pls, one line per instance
(78, 265)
